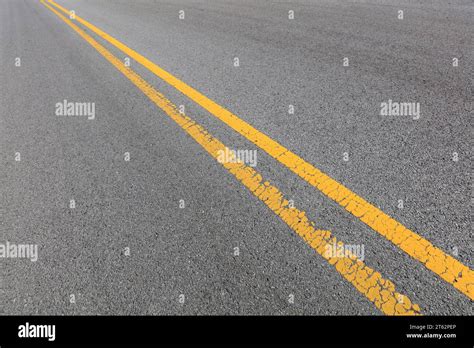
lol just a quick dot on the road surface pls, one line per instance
(131, 214)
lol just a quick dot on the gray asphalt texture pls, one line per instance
(190, 251)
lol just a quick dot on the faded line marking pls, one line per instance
(378, 290)
(433, 258)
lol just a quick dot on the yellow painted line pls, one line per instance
(442, 264)
(378, 290)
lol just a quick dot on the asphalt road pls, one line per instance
(190, 251)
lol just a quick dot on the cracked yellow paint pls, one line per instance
(445, 266)
(370, 283)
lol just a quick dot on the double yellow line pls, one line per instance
(381, 292)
